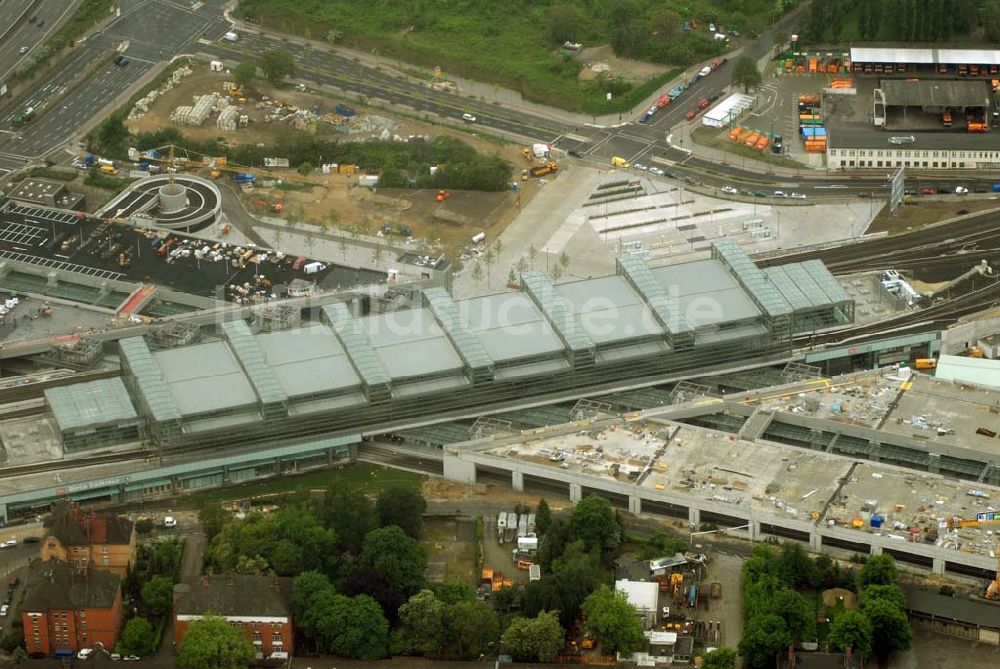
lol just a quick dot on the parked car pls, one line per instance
(779, 193)
(640, 166)
(798, 196)
(4, 609)
(468, 117)
(84, 653)
(691, 114)
(657, 171)
(575, 153)
(23, 50)
(131, 658)
(729, 190)
(961, 190)
(927, 191)
(10, 543)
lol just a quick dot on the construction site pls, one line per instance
(684, 462)
(204, 102)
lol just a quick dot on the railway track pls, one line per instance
(73, 463)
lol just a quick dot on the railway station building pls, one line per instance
(350, 370)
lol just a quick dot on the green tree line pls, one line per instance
(401, 164)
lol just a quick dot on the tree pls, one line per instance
(244, 74)
(350, 514)
(878, 570)
(423, 623)
(613, 621)
(403, 507)
(137, 637)
(746, 75)
(212, 643)
(893, 627)
(798, 614)
(890, 593)
(158, 594)
(333, 36)
(212, 518)
(20, 655)
(989, 18)
(594, 521)
(540, 638)
(851, 628)
(564, 23)
(763, 638)
(397, 557)
(543, 517)
(796, 567)
(473, 626)
(665, 23)
(720, 658)
(357, 628)
(276, 64)
(305, 168)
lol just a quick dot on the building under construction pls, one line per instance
(349, 371)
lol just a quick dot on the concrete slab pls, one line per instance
(24, 441)
(947, 412)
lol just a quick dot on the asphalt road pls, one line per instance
(152, 31)
(16, 31)
(148, 32)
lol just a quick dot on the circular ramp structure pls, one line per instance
(181, 202)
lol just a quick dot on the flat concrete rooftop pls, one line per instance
(775, 479)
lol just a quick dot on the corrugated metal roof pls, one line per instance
(554, 308)
(868, 55)
(446, 313)
(752, 278)
(968, 56)
(355, 340)
(149, 379)
(652, 291)
(90, 404)
(251, 357)
(936, 93)
(926, 56)
(977, 371)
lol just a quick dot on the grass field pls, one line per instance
(372, 478)
(516, 43)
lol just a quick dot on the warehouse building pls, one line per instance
(350, 371)
(956, 62)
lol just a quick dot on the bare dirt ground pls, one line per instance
(447, 226)
(602, 58)
(915, 216)
(451, 550)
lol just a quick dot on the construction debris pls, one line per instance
(142, 105)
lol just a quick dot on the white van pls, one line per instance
(230, 36)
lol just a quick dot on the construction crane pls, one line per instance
(219, 164)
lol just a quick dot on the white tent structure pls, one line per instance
(723, 113)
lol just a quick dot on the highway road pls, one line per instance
(152, 31)
(149, 31)
(18, 31)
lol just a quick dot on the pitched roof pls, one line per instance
(234, 595)
(72, 528)
(57, 585)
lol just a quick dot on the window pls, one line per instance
(276, 639)
(83, 614)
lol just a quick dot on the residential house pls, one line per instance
(260, 605)
(68, 608)
(88, 540)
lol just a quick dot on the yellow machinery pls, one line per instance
(993, 591)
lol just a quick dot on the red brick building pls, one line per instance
(68, 608)
(260, 605)
(93, 541)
